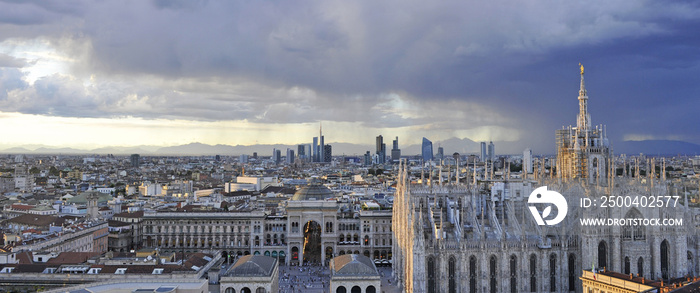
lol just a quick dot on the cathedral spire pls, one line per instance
(582, 90)
(584, 119)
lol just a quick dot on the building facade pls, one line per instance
(315, 228)
(457, 238)
(482, 237)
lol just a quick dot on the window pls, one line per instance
(552, 272)
(431, 275)
(472, 274)
(664, 259)
(451, 275)
(533, 273)
(602, 254)
(513, 274)
(7, 270)
(572, 272)
(492, 274)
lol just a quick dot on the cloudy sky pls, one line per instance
(123, 73)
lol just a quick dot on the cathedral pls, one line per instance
(479, 235)
(583, 151)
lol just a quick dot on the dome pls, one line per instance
(313, 191)
(353, 265)
(253, 265)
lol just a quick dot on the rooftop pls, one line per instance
(353, 265)
(37, 220)
(313, 191)
(254, 266)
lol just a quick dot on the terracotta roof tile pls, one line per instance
(37, 220)
(25, 257)
(138, 214)
(72, 257)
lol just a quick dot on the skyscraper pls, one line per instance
(321, 148)
(301, 151)
(492, 151)
(427, 150)
(327, 153)
(290, 156)
(308, 152)
(440, 153)
(135, 160)
(383, 153)
(314, 146)
(381, 150)
(527, 161)
(483, 151)
(276, 155)
(395, 151)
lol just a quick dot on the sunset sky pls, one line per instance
(124, 73)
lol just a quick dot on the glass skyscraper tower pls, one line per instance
(427, 150)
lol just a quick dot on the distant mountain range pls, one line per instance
(462, 146)
(656, 147)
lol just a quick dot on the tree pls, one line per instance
(53, 171)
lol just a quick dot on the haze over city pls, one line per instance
(161, 73)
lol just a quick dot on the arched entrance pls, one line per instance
(312, 242)
(295, 254)
(602, 254)
(329, 253)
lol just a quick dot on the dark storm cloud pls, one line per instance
(337, 60)
(37, 12)
(9, 61)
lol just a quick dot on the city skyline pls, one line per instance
(95, 74)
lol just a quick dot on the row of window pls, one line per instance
(200, 229)
(356, 289)
(493, 278)
(245, 290)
